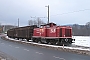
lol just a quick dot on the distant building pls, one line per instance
(1, 29)
(4, 28)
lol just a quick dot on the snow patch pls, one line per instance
(82, 40)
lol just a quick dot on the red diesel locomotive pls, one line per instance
(48, 33)
(52, 34)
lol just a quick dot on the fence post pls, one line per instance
(63, 46)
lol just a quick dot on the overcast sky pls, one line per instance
(60, 11)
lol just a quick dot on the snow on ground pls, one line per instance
(82, 40)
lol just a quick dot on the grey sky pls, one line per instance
(11, 10)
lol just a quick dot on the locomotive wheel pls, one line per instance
(39, 41)
(53, 42)
(42, 42)
(59, 42)
(47, 41)
(35, 40)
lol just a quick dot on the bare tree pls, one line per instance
(37, 22)
(83, 30)
(0, 24)
(30, 22)
(88, 24)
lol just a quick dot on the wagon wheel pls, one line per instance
(17, 38)
(36, 41)
(53, 42)
(39, 41)
(33, 39)
(28, 40)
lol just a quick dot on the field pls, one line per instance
(82, 40)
